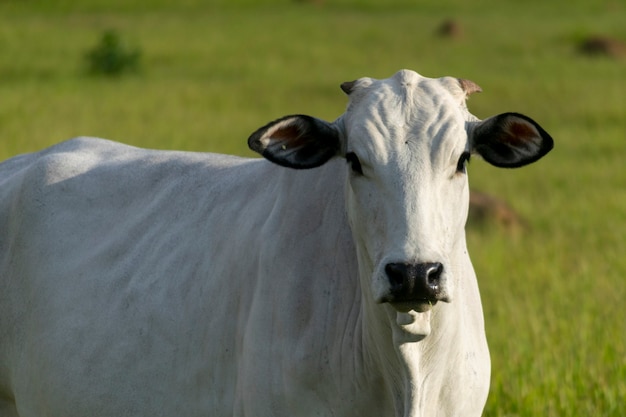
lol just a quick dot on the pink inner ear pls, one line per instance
(519, 133)
(286, 132)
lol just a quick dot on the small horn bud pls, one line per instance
(469, 87)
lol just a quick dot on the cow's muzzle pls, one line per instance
(419, 283)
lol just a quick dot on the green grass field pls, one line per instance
(212, 72)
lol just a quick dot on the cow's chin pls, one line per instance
(412, 326)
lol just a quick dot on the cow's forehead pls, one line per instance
(406, 90)
(406, 106)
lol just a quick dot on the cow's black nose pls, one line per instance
(414, 282)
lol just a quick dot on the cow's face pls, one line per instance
(407, 148)
(407, 141)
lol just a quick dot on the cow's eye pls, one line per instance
(463, 161)
(354, 162)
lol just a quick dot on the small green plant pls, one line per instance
(111, 57)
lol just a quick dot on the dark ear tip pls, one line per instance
(254, 145)
(348, 87)
(548, 142)
(254, 140)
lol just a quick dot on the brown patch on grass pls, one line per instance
(486, 210)
(603, 46)
(450, 28)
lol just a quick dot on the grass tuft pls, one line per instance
(111, 57)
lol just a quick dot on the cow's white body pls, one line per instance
(153, 283)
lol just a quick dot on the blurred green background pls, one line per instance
(210, 72)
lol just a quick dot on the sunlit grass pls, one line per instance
(210, 74)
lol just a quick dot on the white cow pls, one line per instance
(152, 283)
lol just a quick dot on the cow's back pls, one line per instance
(105, 296)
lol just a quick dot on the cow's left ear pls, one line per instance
(296, 141)
(509, 140)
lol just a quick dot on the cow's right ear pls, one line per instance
(296, 141)
(509, 140)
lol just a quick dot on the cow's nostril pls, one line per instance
(433, 273)
(396, 272)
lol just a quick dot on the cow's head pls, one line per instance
(407, 141)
